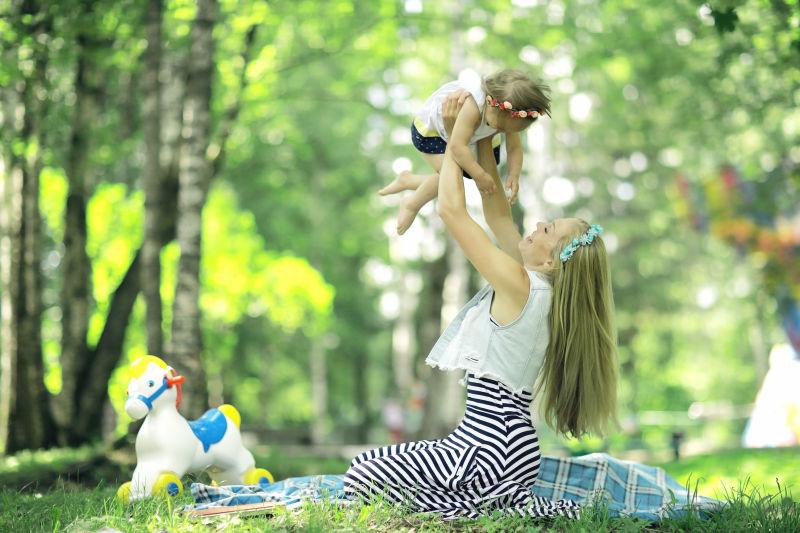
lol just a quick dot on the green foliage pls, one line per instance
(292, 220)
(240, 278)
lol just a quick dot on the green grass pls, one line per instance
(72, 509)
(752, 503)
(717, 474)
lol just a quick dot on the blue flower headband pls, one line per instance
(584, 240)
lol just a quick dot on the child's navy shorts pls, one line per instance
(437, 145)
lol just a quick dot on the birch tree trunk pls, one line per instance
(105, 357)
(195, 173)
(8, 339)
(24, 410)
(151, 246)
(9, 246)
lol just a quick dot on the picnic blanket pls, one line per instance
(626, 488)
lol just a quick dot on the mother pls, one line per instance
(547, 310)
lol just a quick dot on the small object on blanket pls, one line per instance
(626, 488)
(249, 509)
(168, 446)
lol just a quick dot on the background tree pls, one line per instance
(299, 274)
(151, 179)
(195, 173)
(25, 416)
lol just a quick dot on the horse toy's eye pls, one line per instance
(150, 383)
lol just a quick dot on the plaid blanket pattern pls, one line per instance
(626, 488)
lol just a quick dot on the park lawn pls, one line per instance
(69, 506)
(716, 474)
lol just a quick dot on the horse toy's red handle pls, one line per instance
(175, 380)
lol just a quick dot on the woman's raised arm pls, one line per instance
(506, 275)
(496, 208)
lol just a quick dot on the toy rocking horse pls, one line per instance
(168, 446)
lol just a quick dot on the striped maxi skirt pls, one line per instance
(488, 464)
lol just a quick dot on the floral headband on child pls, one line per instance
(520, 113)
(584, 240)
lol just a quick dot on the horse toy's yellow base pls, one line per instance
(169, 484)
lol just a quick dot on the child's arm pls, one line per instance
(514, 154)
(496, 210)
(467, 122)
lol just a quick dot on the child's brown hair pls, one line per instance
(521, 90)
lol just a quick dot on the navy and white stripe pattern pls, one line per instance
(488, 464)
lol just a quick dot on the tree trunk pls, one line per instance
(30, 421)
(9, 251)
(319, 389)
(8, 339)
(195, 173)
(404, 337)
(25, 413)
(318, 356)
(361, 394)
(429, 325)
(76, 266)
(444, 401)
(151, 246)
(105, 357)
(10, 246)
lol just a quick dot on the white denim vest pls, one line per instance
(512, 354)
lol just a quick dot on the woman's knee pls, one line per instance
(357, 480)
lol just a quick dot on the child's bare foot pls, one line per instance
(406, 215)
(402, 182)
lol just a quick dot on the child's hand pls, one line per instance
(452, 104)
(485, 184)
(512, 188)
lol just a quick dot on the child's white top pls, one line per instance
(512, 354)
(430, 116)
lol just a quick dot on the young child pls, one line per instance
(506, 102)
(542, 325)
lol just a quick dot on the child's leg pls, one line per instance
(406, 181)
(411, 205)
(403, 182)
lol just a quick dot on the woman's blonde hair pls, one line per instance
(579, 375)
(517, 87)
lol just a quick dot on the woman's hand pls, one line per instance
(485, 184)
(452, 104)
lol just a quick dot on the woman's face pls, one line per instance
(537, 248)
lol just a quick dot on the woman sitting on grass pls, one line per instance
(547, 310)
